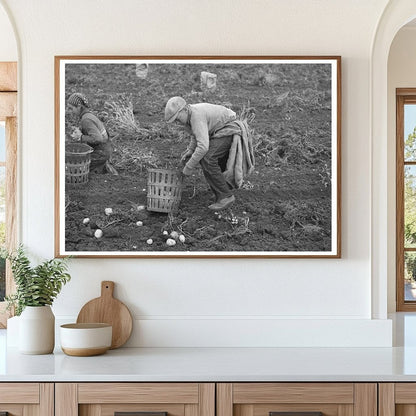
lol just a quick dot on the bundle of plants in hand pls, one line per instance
(35, 285)
(119, 116)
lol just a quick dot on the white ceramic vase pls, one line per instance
(37, 330)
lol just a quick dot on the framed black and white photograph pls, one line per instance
(198, 156)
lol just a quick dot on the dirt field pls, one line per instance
(285, 205)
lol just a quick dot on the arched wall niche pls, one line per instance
(396, 15)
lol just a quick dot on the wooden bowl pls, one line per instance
(84, 340)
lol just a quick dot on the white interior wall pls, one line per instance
(401, 74)
(202, 302)
(8, 46)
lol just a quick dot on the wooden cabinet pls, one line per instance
(264, 399)
(208, 399)
(27, 399)
(106, 399)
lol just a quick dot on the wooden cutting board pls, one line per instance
(109, 310)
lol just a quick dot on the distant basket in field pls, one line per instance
(77, 163)
(164, 190)
(142, 70)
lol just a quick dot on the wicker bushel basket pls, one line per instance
(77, 163)
(164, 190)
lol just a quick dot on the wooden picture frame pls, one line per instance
(289, 206)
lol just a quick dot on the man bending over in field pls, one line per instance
(220, 143)
(93, 133)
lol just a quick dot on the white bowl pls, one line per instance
(83, 340)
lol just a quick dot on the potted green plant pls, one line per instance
(36, 289)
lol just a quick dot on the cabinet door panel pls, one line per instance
(331, 399)
(105, 399)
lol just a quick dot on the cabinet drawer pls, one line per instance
(138, 393)
(146, 399)
(19, 393)
(297, 399)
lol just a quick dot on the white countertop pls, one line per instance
(215, 364)
(222, 364)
